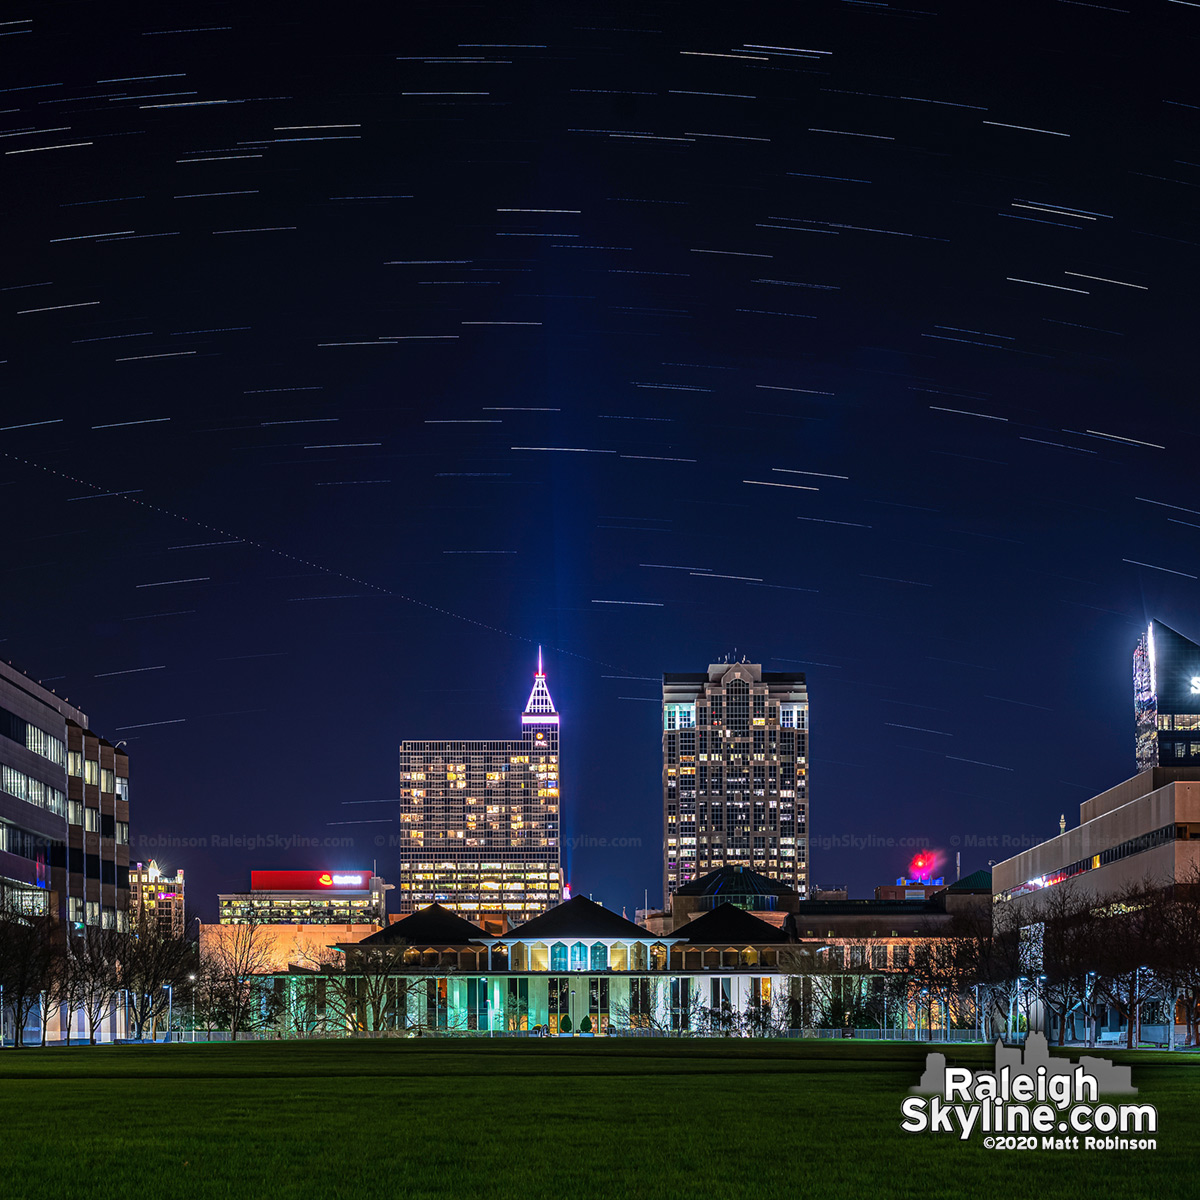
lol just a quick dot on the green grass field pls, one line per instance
(516, 1119)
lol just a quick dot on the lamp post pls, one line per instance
(192, 980)
(170, 1007)
(571, 1012)
(1091, 1016)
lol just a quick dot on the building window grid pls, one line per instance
(735, 767)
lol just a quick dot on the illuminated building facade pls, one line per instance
(64, 810)
(735, 774)
(580, 968)
(1166, 699)
(479, 821)
(156, 900)
(332, 897)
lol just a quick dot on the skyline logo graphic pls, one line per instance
(1030, 1101)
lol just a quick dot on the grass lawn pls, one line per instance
(517, 1119)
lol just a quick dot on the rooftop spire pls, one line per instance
(539, 698)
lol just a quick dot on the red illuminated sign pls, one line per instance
(310, 881)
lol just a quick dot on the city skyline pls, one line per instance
(346, 363)
(540, 718)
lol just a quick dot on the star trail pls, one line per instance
(544, 266)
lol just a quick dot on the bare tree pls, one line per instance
(235, 964)
(322, 999)
(26, 964)
(377, 985)
(96, 957)
(1068, 944)
(208, 994)
(152, 964)
(384, 986)
(990, 954)
(64, 990)
(1176, 952)
(648, 1006)
(815, 970)
(1126, 931)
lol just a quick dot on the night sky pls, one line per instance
(349, 357)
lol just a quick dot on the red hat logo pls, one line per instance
(325, 880)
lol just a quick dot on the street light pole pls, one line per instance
(1091, 1017)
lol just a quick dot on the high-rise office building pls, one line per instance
(1166, 699)
(479, 821)
(156, 900)
(64, 810)
(735, 774)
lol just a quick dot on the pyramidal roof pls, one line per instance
(539, 699)
(576, 918)
(432, 925)
(730, 926)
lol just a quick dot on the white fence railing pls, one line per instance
(1150, 1035)
(893, 1035)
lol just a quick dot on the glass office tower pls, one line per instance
(1166, 699)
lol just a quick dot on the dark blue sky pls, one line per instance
(284, 315)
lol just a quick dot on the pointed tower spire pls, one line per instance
(540, 703)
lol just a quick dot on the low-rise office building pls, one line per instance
(64, 824)
(330, 897)
(64, 810)
(1145, 829)
(300, 916)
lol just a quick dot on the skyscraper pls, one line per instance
(1166, 699)
(479, 821)
(735, 774)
